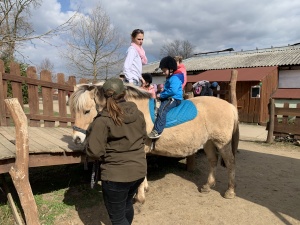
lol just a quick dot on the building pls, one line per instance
(262, 74)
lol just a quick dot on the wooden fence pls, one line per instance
(40, 111)
(283, 121)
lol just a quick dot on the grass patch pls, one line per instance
(57, 190)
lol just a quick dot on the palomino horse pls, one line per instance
(215, 127)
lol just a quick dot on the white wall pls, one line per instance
(158, 79)
(289, 79)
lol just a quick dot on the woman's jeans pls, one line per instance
(118, 197)
(134, 82)
(165, 106)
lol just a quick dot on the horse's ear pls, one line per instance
(75, 88)
(92, 92)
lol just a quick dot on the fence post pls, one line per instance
(271, 120)
(19, 171)
(2, 96)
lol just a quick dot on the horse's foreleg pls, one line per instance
(140, 196)
(229, 160)
(210, 151)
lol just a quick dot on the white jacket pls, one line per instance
(133, 65)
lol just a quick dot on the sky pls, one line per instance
(207, 25)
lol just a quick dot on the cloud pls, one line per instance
(208, 25)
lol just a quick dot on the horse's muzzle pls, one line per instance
(77, 140)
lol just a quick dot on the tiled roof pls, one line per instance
(283, 56)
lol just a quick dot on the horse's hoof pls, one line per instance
(229, 194)
(139, 200)
(205, 189)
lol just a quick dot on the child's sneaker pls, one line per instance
(154, 134)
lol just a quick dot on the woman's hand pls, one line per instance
(143, 81)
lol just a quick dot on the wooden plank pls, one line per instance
(72, 82)
(7, 149)
(16, 87)
(56, 142)
(286, 128)
(47, 94)
(50, 118)
(2, 89)
(62, 104)
(288, 111)
(33, 97)
(37, 160)
(10, 134)
(41, 83)
(285, 118)
(48, 145)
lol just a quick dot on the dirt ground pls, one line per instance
(268, 191)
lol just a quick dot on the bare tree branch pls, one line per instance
(15, 27)
(93, 47)
(177, 47)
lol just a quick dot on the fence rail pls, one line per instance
(41, 99)
(283, 121)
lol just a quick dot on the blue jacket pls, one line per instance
(173, 87)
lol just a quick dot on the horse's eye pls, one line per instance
(86, 112)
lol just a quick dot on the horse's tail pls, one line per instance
(235, 135)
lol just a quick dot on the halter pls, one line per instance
(82, 130)
(79, 129)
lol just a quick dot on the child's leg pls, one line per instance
(164, 108)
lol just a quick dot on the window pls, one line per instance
(255, 91)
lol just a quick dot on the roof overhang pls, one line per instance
(287, 93)
(244, 74)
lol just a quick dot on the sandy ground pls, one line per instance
(268, 191)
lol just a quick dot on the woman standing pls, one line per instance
(181, 69)
(116, 138)
(135, 58)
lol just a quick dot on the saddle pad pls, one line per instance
(184, 112)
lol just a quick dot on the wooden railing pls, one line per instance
(283, 121)
(40, 109)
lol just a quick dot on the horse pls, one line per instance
(215, 127)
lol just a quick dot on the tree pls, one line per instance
(46, 64)
(15, 27)
(178, 47)
(93, 47)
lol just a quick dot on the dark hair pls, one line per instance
(136, 32)
(169, 63)
(147, 77)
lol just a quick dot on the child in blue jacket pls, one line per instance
(170, 97)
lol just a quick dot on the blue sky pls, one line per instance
(208, 25)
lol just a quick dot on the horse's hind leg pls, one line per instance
(211, 154)
(140, 196)
(229, 161)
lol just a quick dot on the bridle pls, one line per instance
(75, 128)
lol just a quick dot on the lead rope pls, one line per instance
(95, 174)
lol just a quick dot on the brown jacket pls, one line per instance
(121, 148)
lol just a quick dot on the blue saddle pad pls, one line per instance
(184, 112)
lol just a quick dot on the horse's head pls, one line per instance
(83, 105)
(88, 99)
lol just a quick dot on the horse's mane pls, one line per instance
(132, 92)
(136, 92)
(78, 100)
